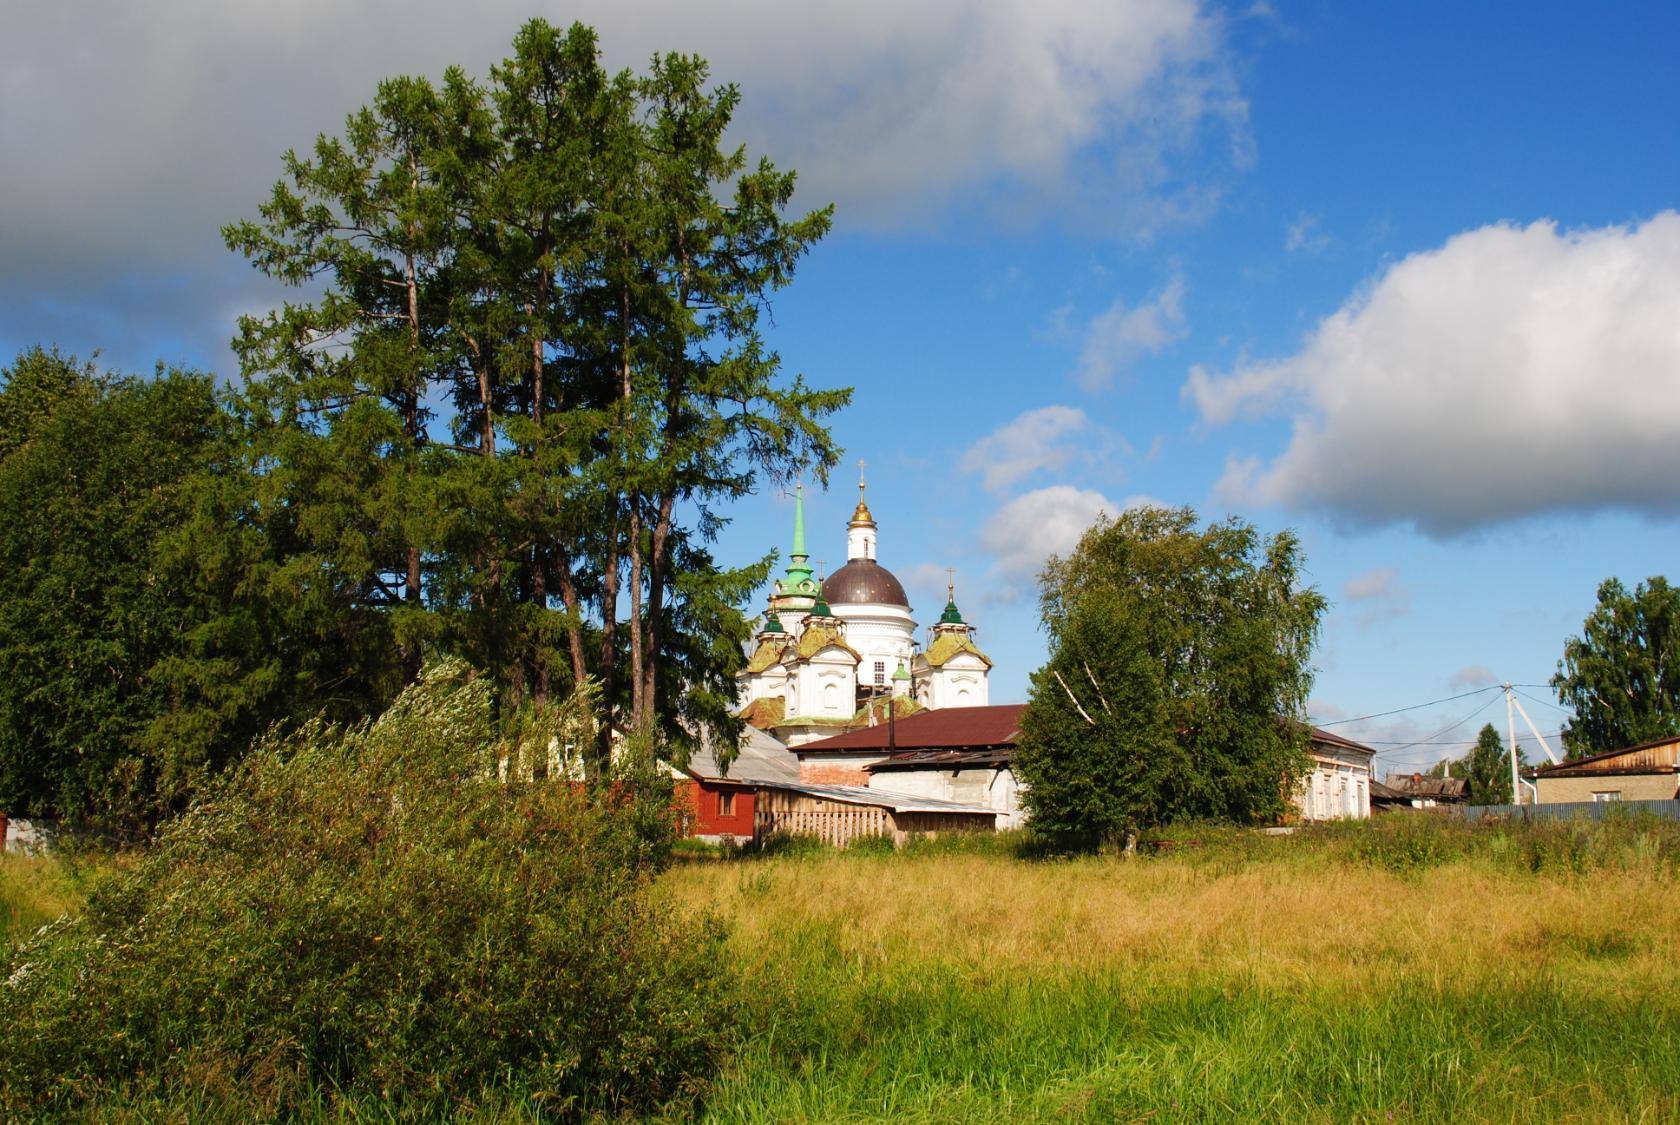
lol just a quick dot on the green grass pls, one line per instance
(1411, 972)
(33, 891)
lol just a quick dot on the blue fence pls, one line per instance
(1593, 810)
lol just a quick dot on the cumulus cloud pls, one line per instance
(1046, 439)
(133, 130)
(1514, 371)
(1122, 334)
(1023, 534)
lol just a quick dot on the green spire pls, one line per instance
(903, 673)
(951, 616)
(772, 623)
(799, 567)
(799, 522)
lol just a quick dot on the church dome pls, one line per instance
(864, 582)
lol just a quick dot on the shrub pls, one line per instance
(366, 914)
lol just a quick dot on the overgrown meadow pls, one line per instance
(1409, 970)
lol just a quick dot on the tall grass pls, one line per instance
(1410, 971)
(33, 892)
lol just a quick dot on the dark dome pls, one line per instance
(861, 581)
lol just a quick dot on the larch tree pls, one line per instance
(538, 370)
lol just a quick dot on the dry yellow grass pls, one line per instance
(1270, 924)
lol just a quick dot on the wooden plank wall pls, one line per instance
(839, 823)
(832, 822)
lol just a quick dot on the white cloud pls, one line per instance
(1121, 334)
(1023, 534)
(1047, 439)
(1512, 372)
(133, 131)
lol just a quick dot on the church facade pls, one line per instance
(843, 651)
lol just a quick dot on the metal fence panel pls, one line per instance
(1593, 810)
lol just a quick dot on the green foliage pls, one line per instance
(1622, 840)
(536, 371)
(366, 915)
(1177, 678)
(150, 623)
(1488, 768)
(1621, 676)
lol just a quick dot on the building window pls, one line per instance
(726, 803)
(1607, 795)
(880, 672)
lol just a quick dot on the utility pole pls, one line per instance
(1511, 725)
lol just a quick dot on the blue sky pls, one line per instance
(1405, 278)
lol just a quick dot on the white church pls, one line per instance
(843, 650)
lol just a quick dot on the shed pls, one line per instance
(1427, 792)
(719, 801)
(1649, 771)
(839, 814)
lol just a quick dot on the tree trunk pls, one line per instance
(411, 428)
(658, 579)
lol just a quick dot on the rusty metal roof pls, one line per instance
(996, 758)
(1436, 788)
(948, 728)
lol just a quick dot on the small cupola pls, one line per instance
(860, 532)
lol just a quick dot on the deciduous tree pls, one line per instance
(1621, 675)
(1177, 680)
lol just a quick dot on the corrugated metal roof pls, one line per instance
(948, 728)
(876, 798)
(760, 757)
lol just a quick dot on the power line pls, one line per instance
(1413, 707)
(1543, 702)
(1425, 740)
(1443, 741)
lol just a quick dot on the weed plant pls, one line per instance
(367, 918)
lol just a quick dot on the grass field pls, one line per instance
(1294, 979)
(1407, 974)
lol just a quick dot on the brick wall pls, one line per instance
(833, 773)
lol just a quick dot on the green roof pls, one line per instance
(950, 616)
(773, 624)
(950, 645)
(799, 565)
(903, 673)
